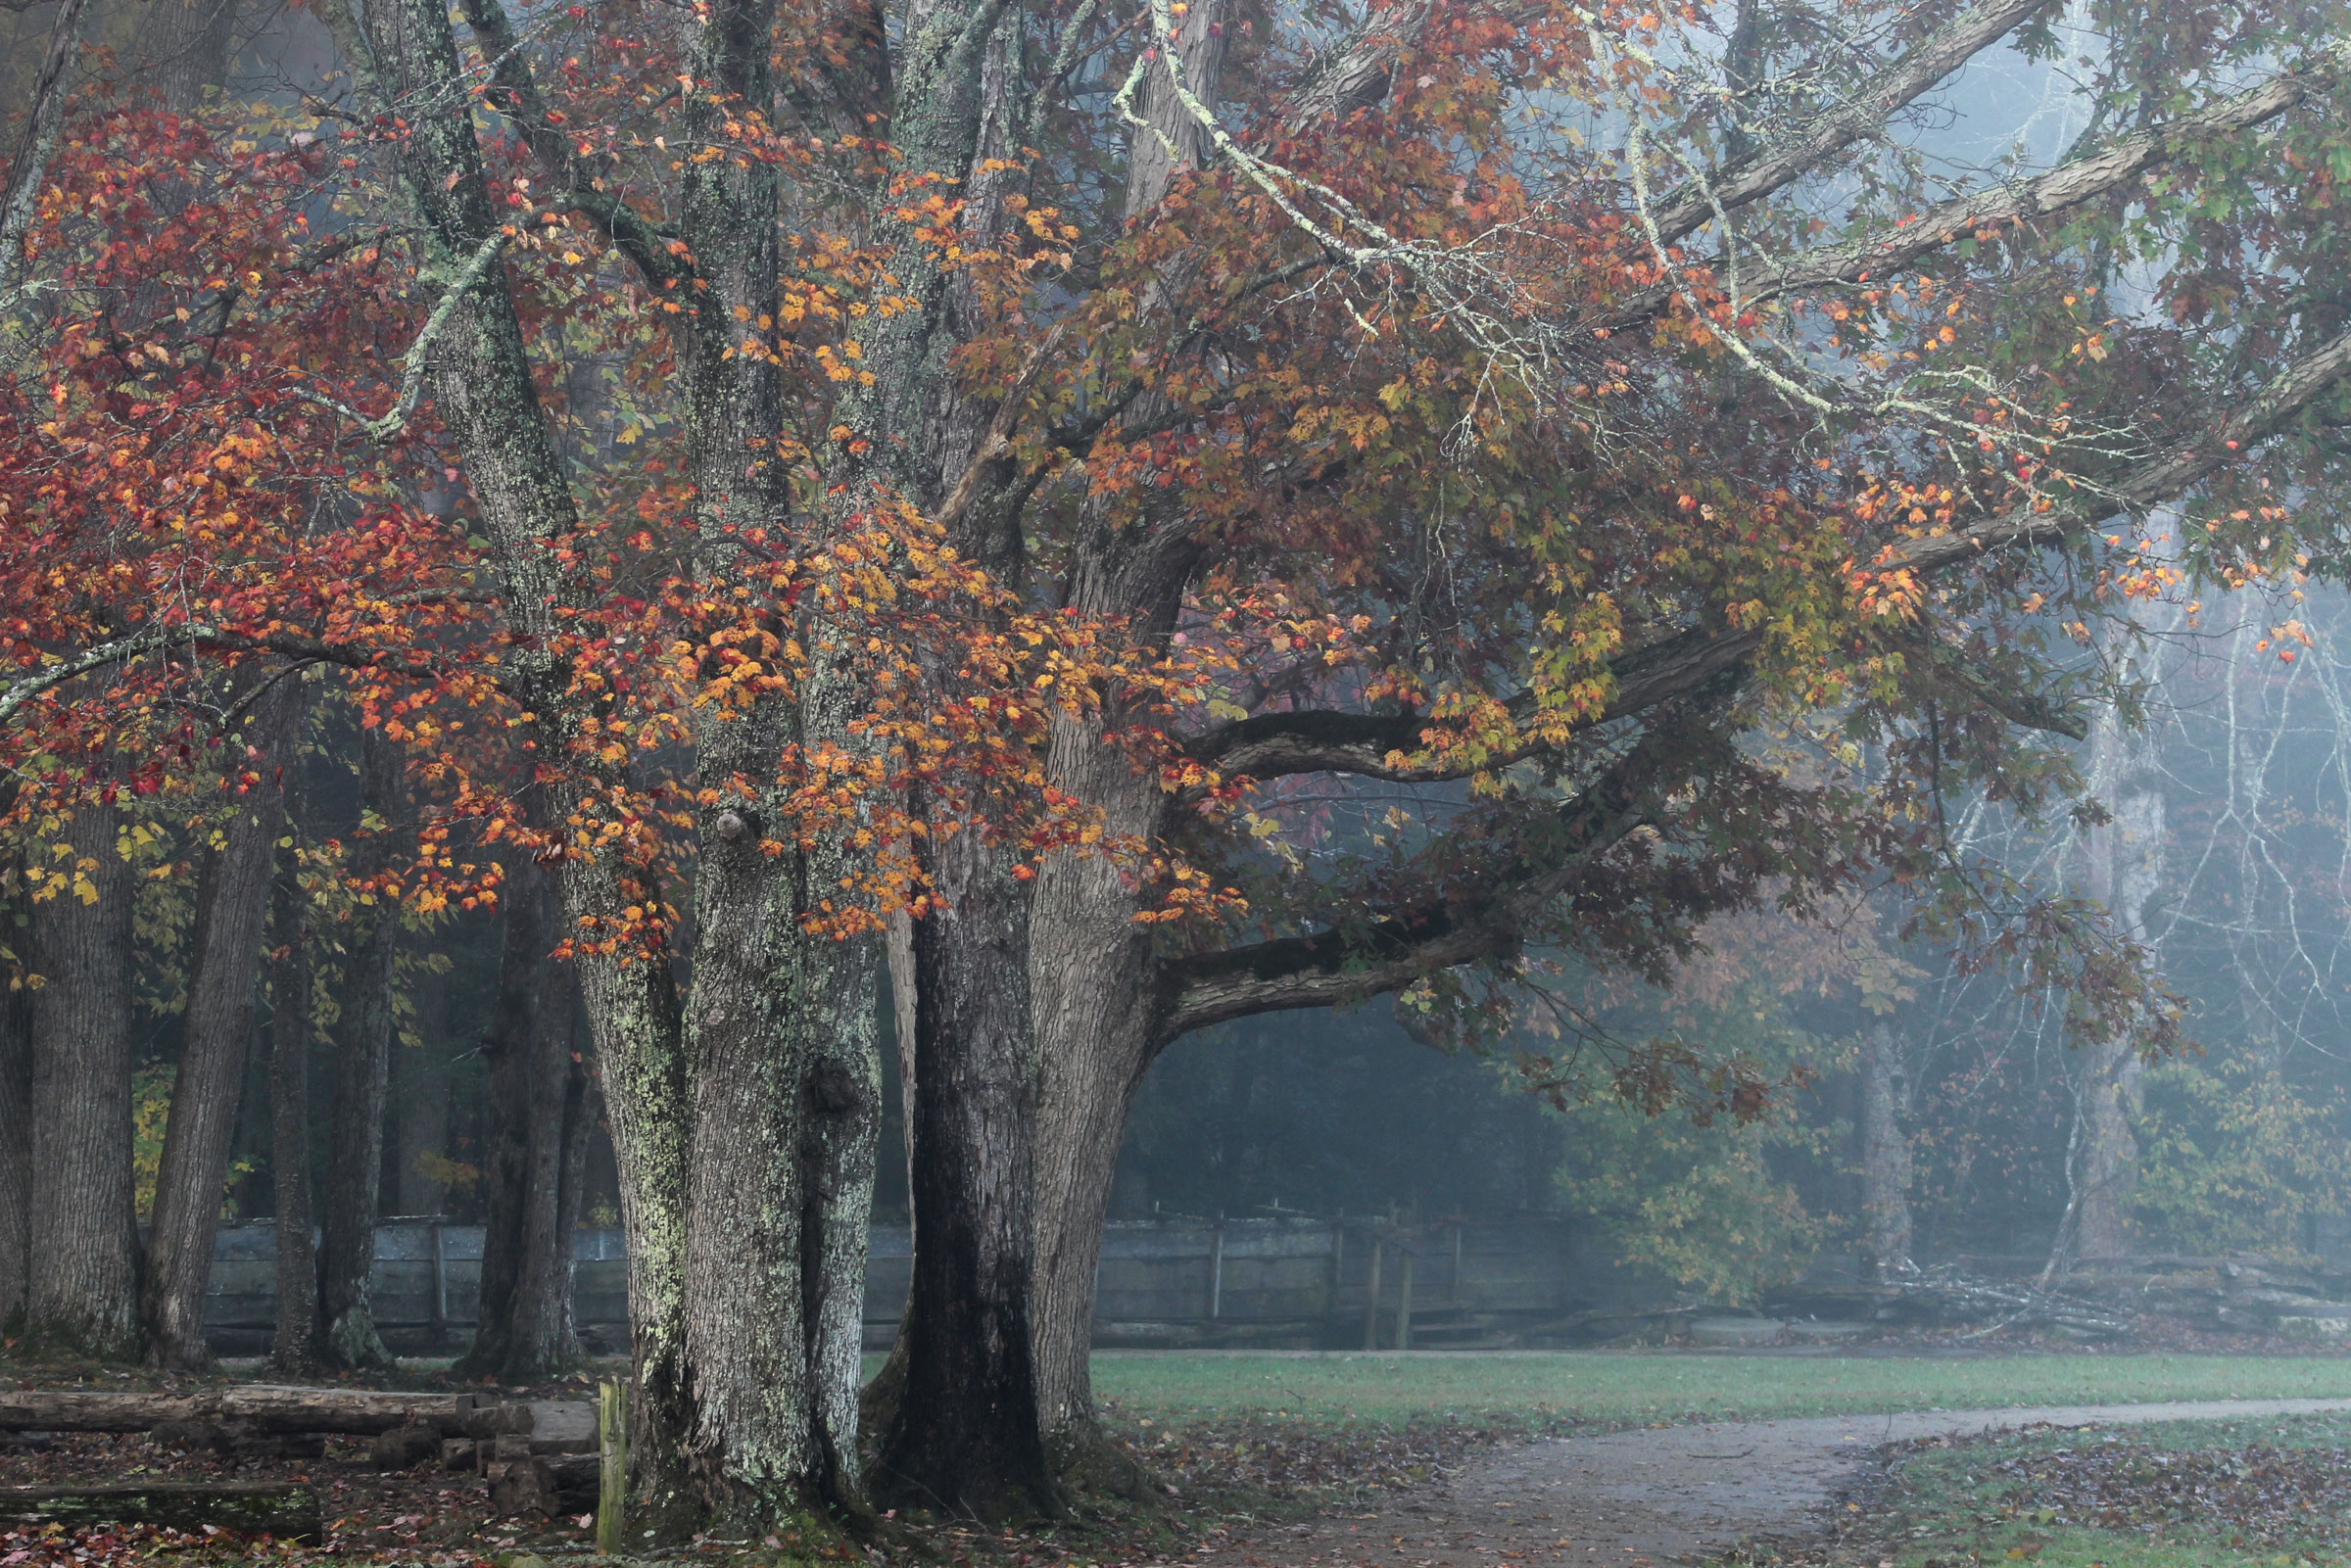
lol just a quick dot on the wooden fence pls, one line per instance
(1275, 1282)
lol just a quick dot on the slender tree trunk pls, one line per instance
(538, 1107)
(232, 902)
(81, 1291)
(362, 1071)
(1885, 1152)
(2125, 870)
(15, 1149)
(294, 1347)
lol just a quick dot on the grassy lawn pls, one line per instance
(1621, 1388)
(2181, 1495)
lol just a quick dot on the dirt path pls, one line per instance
(1632, 1499)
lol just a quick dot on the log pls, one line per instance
(260, 1508)
(261, 1407)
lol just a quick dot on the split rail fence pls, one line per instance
(1274, 1282)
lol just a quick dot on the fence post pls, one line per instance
(440, 1283)
(1371, 1299)
(1216, 1274)
(1404, 1305)
(612, 1483)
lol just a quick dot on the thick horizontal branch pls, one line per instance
(1347, 964)
(1786, 159)
(1270, 745)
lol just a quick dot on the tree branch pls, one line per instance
(1786, 159)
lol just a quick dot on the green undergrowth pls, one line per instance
(1532, 1394)
(2251, 1494)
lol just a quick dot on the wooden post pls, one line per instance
(1371, 1299)
(1404, 1305)
(1338, 1274)
(1453, 1284)
(440, 1283)
(1216, 1274)
(612, 1442)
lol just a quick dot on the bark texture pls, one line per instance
(232, 902)
(81, 1287)
(1885, 1151)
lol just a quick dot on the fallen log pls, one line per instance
(260, 1408)
(252, 1507)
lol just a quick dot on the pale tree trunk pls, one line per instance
(295, 1347)
(535, 1130)
(2125, 870)
(355, 1160)
(1885, 1152)
(81, 1290)
(417, 1130)
(15, 1149)
(232, 902)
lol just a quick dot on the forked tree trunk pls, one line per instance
(536, 1131)
(232, 902)
(1094, 1001)
(81, 1291)
(294, 1348)
(743, 1122)
(1885, 1152)
(362, 1073)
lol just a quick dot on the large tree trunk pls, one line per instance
(81, 1292)
(232, 901)
(963, 1438)
(1094, 1003)
(362, 1073)
(1885, 1152)
(294, 1347)
(535, 1130)
(184, 48)
(743, 1122)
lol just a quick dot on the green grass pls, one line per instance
(1621, 1388)
(2176, 1494)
